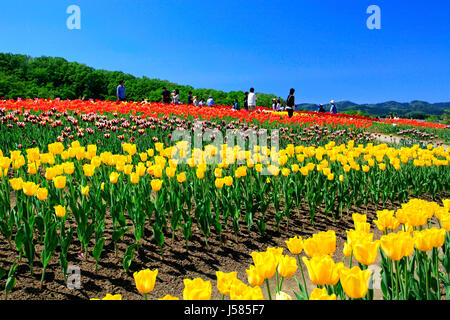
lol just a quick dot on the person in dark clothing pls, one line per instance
(246, 101)
(121, 91)
(165, 96)
(189, 100)
(290, 103)
(320, 109)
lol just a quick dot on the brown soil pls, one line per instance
(176, 263)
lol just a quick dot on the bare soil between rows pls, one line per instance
(176, 263)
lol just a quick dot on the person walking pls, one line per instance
(121, 91)
(333, 108)
(252, 99)
(290, 103)
(246, 101)
(165, 95)
(189, 99)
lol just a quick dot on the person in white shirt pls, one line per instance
(279, 106)
(195, 102)
(274, 104)
(176, 97)
(252, 99)
(210, 102)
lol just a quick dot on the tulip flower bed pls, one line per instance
(104, 185)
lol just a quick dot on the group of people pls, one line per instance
(333, 108)
(249, 100)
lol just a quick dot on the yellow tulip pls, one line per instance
(68, 168)
(366, 252)
(287, 266)
(295, 245)
(265, 263)
(170, 172)
(228, 180)
(321, 243)
(200, 173)
(89, 170)
(323, 270)
(437, 237)
(143, 156)
(60, 182)
(196, 289)
(224, 281)
(253, 277)
(218, 173)
(60, 211)
(347, 250)
(145, 280)
(42, 194)
(84, 190)
(30, 188)
(113, 177)
(181, 177)
(134, 178)
(16, 183)
(362, 227)
(422, 240)
(253, 293)
(238, 290)
(156, 184)
(321, 294)
(386, 220)
(354, 281)
(359, 217)
(397, 245)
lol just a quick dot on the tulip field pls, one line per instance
(266, 207)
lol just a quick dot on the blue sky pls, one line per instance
(322, 48)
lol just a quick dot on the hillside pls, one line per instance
(47, 77)
(414, 109)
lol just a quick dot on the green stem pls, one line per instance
(397, 284)
(406, 296)
(436, 273)
(278, 282)
(351, 258)
(426, 276)
(268, 289)
(392, 279)
(303, 276)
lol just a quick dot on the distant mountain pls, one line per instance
(407, 109)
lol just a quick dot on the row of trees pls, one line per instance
(47, 77)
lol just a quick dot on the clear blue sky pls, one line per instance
(322, 48)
